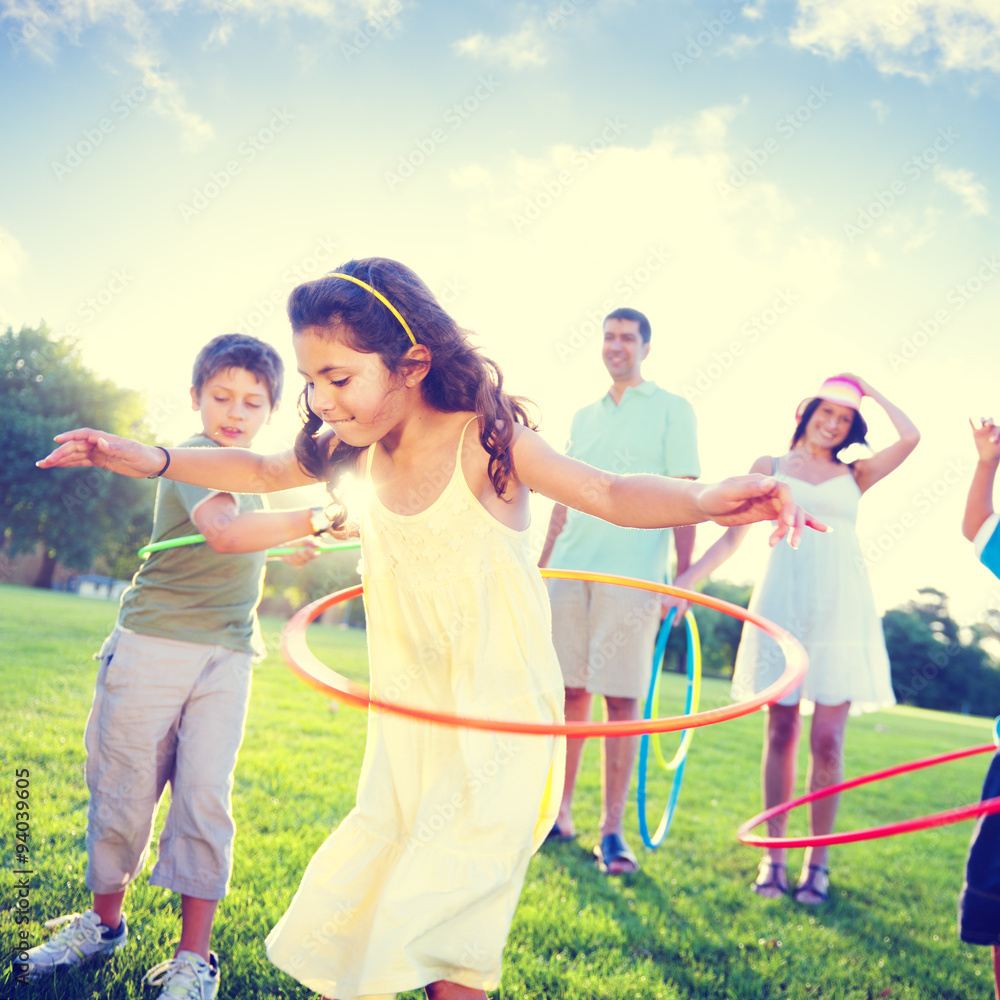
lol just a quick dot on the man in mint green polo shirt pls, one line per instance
(604, 634)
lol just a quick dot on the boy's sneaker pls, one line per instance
(83, 939)
(186, 976)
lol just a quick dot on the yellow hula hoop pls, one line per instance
(688, 734)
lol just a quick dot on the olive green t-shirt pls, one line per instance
(191, 592)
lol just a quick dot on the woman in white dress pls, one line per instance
(821, 594)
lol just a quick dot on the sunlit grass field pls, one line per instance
(686, 926)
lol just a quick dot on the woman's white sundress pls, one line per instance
(420, 880)
(820, 593)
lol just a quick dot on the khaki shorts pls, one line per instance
(604, 636)
(164, 711)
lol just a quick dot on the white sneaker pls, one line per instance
(186, 976)
(83, 939)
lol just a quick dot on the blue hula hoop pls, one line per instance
(654, 841)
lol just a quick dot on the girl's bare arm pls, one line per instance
(230, 470)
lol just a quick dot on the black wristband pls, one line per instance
(166, 464)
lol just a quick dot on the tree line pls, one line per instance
(936, 663)
(90, 519)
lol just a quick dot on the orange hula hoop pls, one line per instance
(316, 674)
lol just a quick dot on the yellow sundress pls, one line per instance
(420, 880)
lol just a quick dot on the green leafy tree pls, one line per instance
(287, 588)
(719, 633)
(74, 514)
(938, 664)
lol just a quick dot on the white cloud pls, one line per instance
(470, 177)
(881, 110)
(963, 183)
(41, 26)
(910, 37)
(740, 44)
(593, 227)
(168, 101)
(526, 46)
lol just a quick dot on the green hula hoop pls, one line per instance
(175, 543)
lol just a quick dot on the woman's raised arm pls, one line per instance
(868, 471)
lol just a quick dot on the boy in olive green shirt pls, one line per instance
(173, 689)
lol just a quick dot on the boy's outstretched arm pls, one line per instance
(227, 530)
(232, 470)
(979, 503)
(646, 501)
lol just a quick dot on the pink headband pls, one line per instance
(838, 389)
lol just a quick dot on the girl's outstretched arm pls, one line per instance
(723, 548)
(646, 501)
(230, 470)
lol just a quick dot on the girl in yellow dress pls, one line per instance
(417, 886)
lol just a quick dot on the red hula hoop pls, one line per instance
(316, 674)
(983, 808)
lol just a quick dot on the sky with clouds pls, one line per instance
(789, 190)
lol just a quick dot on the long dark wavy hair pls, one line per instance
(460, 378)
(856, 435)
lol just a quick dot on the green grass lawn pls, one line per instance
(686, 926)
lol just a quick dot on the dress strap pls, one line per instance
(369, 458)
(774, 466)
(461, 439)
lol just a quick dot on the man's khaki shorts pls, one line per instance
(604, 636)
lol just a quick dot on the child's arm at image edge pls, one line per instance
(979, 503)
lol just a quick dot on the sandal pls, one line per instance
(817, 882)
(614, 851)
(772, 869)
(557, 834)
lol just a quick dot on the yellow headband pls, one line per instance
(381, 298)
